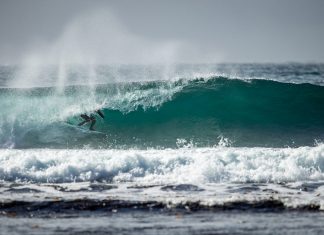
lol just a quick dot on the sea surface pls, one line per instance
(183, 149)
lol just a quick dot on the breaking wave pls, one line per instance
(252, 113)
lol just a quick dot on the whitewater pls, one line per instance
(169, 166)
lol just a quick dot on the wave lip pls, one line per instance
(169, 166)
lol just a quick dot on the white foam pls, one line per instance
(187, 165)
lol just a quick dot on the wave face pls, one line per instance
(200, 112)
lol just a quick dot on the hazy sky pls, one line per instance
(199, 31)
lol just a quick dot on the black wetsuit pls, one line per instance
(91, 119)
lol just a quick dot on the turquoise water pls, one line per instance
(197, 111)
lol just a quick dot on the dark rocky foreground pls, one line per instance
(57, 206)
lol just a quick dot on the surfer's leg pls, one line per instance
(82, 123)
(93, 122)
(86, 119)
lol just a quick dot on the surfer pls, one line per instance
(90, 118)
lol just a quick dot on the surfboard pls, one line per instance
(84, 129)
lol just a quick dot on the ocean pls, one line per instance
(194, 149)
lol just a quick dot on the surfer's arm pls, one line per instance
(100, 114)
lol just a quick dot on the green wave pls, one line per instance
(249, 113)
(201, 112)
